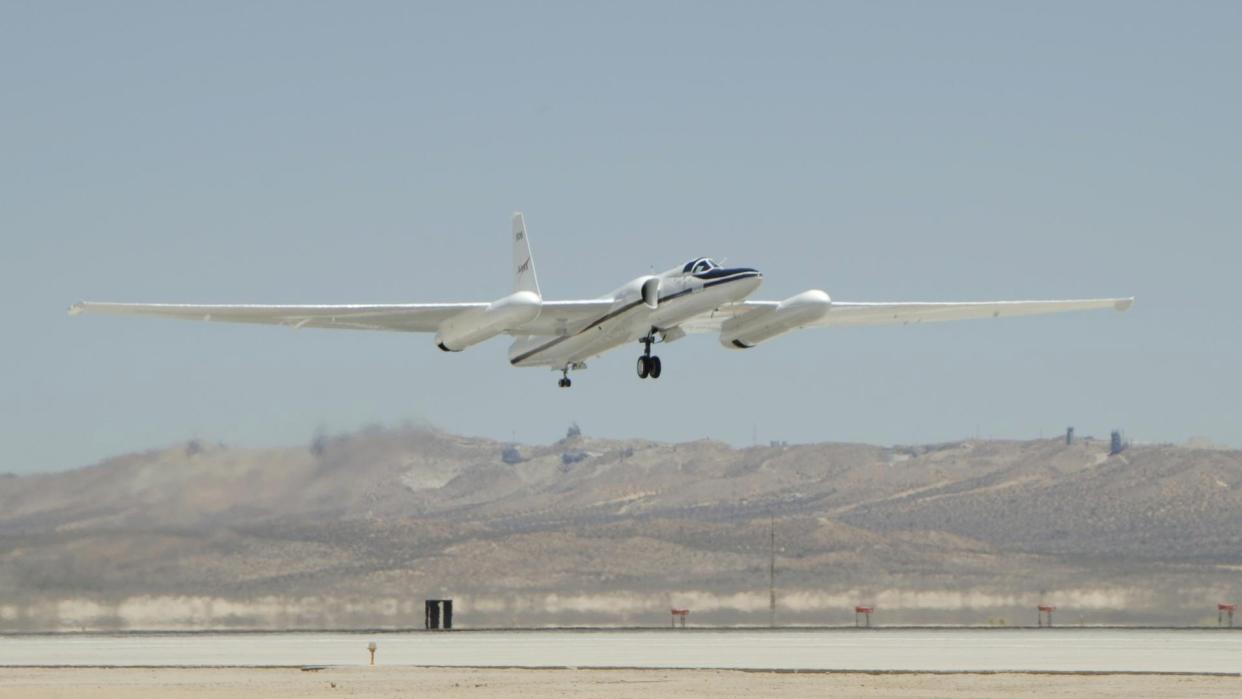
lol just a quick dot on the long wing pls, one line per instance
(418, 317)
(843, 313)
(412, 317)
(849, 313)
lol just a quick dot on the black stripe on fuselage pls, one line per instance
(602, 319)
(613, 314)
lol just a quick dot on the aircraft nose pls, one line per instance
(747, 278)
(752, 280)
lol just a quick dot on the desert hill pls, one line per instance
(355, 530)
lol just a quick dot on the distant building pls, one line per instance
(1116, 445)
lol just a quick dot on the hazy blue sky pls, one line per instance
(307, 152)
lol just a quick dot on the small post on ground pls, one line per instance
(371, 647)
(862, 613)
(1046, 610)
(1221, 610)
(772, 573)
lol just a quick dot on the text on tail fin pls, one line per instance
(524, 278)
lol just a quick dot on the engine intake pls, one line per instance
(651, 292)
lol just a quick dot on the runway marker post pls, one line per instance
(1046, 609)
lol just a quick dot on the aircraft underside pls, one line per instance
(631, 321)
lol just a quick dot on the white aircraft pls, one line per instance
(699, 296)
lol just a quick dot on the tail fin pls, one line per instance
(524, 278)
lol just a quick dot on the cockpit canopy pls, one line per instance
(700, 265)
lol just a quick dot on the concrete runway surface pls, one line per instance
(483, 683)
(904, 650)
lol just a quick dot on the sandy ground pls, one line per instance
(464, 682)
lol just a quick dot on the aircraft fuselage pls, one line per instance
(678, 297)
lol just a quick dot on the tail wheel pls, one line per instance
(644, 368)
(653, 369)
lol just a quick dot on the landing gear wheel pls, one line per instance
(564, 381)
(648, 366)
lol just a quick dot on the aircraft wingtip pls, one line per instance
(1124, 304)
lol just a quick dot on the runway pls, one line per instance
(899, 650)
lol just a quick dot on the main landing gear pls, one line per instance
(648, 366)
(564, 381)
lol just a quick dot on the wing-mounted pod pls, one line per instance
(762, 324)
(474, 326)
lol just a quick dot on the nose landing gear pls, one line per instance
(648, 366)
